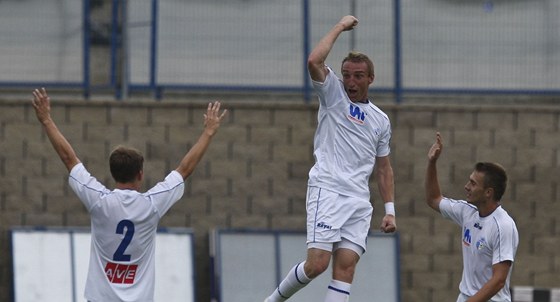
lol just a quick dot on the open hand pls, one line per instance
(213, 117)
(435, 150)
(42, 104)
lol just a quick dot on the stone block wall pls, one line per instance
(255, 172)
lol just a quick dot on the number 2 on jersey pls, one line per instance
(119, 253)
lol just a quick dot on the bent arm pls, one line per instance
(41, 104)
(500, 272)
(318, 56)
(212, 120)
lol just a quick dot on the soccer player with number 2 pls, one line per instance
(124, 220)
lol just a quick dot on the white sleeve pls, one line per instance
(506, 239)
(329, 91)
(86, 187)
(166, 193)
(453, 209)
(384, 147)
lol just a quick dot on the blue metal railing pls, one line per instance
(418, 64)
(86, 62)
(306, 49)
(398, 54)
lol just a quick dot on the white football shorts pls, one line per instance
(332, 217)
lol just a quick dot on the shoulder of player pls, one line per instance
(502, 216)
(461, 203)
(377, 110)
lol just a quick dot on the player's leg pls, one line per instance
(338, 291)
(318, 259)
(345, 258)
(348, 251)
(324, 219)
(302, 273)
(320, 235)
(295, 280)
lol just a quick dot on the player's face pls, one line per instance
(356, 80)
(476, 193)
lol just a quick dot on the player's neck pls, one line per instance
(128, 186)
(487, 208)
(361, 101)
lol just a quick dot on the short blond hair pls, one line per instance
(358, 57)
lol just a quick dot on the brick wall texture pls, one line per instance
(255, 172)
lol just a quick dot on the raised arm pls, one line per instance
(431, 185)
(212, 120)
(42, 104)
(318, 56)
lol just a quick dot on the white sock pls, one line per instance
(338, 291)
(294, 281)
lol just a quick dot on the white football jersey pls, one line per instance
(486, 241)
(123, 230)
(347, 141)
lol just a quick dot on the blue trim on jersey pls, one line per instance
(166, 190)
(104, 192)
(455, 201)
(498, 229)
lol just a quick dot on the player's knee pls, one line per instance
(315, 268)
(344, 268)
(344, 273)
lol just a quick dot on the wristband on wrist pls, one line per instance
(390, 208)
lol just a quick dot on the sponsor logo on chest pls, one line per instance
(356, 115)
(480, 244)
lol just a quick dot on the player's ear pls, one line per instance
(140, 176)
(489, 192)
